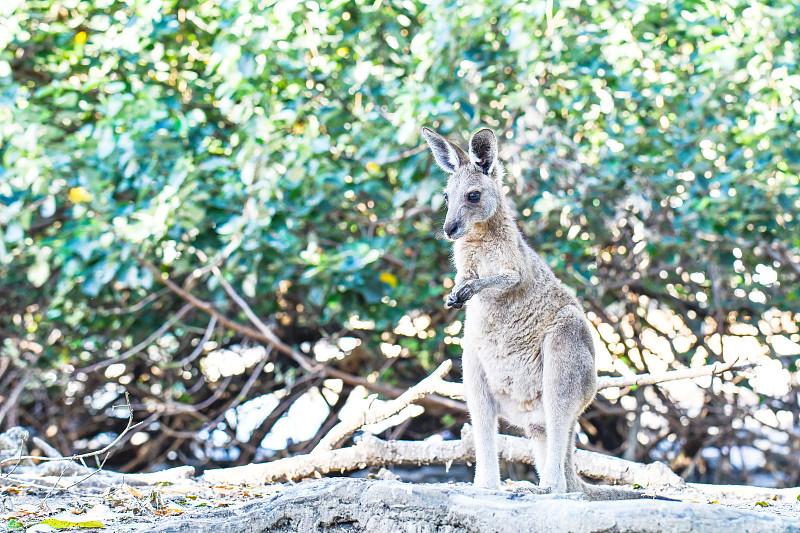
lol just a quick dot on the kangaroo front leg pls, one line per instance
(462, 292)
(483, 412)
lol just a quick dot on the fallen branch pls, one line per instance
(48, 450)
(372, 451)
(456, 390)
(430, 385)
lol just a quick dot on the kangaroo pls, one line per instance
(528, 355)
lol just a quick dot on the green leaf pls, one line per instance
(66, 524)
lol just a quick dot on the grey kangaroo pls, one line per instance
(528, 353)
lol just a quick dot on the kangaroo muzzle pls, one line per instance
(452, 230)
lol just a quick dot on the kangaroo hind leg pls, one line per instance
(569, 382)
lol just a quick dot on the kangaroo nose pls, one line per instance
(451, 229)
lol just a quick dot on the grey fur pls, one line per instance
(528, 353)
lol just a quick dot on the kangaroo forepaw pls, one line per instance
(459, 296)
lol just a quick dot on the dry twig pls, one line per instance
(130, 427)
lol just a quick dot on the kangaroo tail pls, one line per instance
(606, 493)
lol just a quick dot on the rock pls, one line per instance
(13, 445)
(387, 506)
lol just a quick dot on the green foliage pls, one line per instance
(205, 127)
(653, 154)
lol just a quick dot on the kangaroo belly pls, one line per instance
(510, 355)
(516, 386)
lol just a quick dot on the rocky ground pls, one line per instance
(388, 505)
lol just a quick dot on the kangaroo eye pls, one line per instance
(474, 197)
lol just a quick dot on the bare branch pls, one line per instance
(11, 401)
(199, 348)
(430, 385)
(142, 345)
(135, 307)
(382, 388)
(456, 390)
(273, 339)
(671, 375)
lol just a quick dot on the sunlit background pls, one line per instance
(164, 161)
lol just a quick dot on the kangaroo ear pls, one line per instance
(483, 150)
(448, 156)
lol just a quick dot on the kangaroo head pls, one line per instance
(474, 191)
